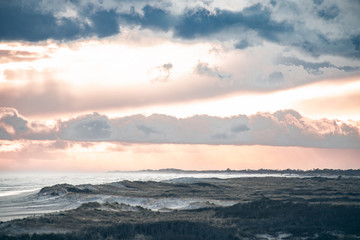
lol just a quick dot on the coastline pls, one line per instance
(104, 204)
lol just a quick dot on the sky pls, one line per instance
(102, 85)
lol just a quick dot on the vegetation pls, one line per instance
(300, 208)
(241, 221)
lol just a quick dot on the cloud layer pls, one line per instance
(282, 128)
(60, 57)
(315, 28)
(197, 62)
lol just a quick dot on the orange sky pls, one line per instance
(108, 157)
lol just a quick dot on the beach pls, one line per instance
(268, 207)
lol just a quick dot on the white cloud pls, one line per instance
(282, 128)
(92, 127)
(14, 126)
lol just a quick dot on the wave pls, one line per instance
(17, 192)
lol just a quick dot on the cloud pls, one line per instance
(276, 78)
(21, 22)
(328, 13)
(39, 90)
(104, 23)
(317, 28)
(35, 98)
(243, 44)
(46, 95)
(289, 128)
(318, 2)
(167, 66)
(94, 127)
(11, 124)
(314, 67)
(152, 18)
(356, 42)
(60, 144)
(4, 134)
(14, 126)
(282, 128)
(205, 69)
(160, 73)
(202, 22)
(18, 56)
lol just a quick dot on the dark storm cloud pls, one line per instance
(202, 22)
(29, 24)
(243, 44)
(329, 13)
(153, 18)
(318, 2)
(105, 23)
(283, 22)
(319, 44)
(356, 42)
(313, 67)
(17, 23)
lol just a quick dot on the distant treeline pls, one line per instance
(317, 171)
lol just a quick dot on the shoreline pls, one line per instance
(261, 208)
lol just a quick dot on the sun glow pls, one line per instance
(10, 146)
(82, 156)
(118, 64)
(251, 103)
(96, 63)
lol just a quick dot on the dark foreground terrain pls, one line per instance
(265, 208)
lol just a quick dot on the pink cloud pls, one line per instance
(282, 128)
